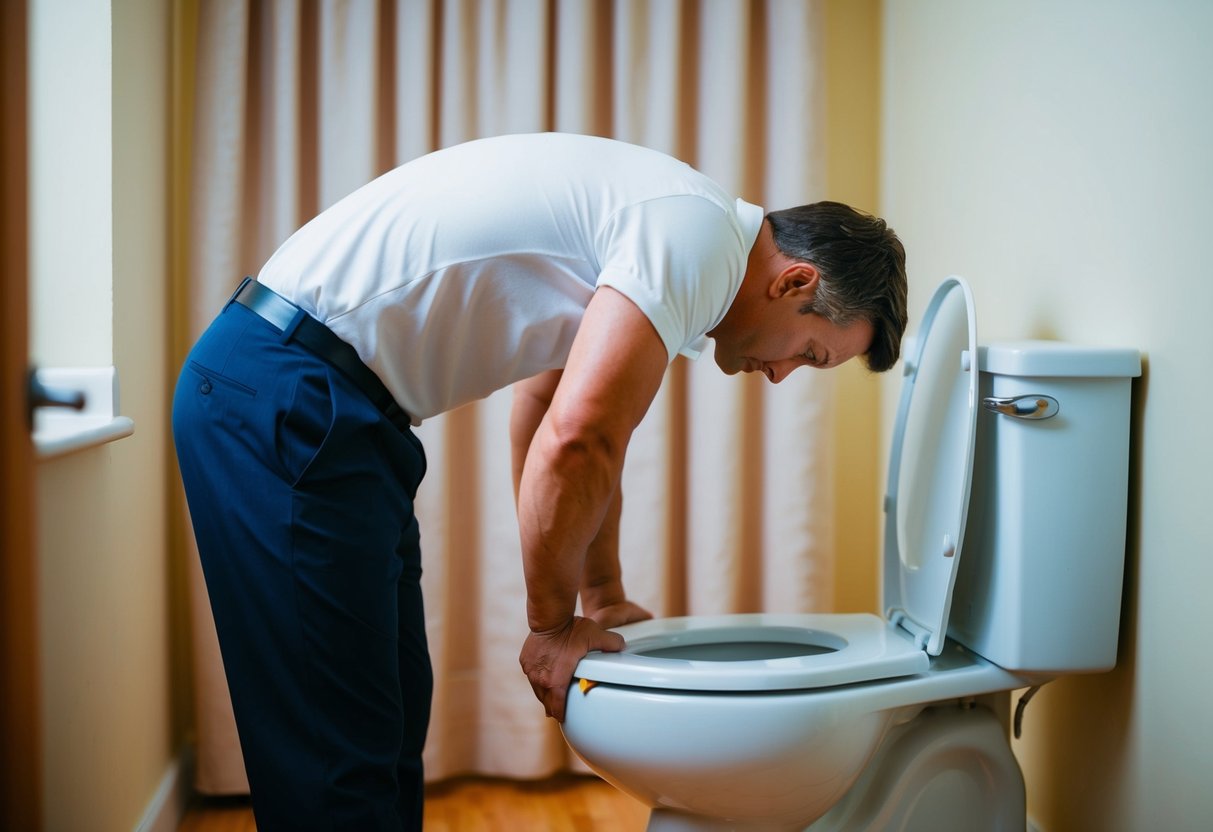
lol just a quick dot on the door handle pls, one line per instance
(39, 395)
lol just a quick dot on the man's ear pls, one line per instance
(797, 279)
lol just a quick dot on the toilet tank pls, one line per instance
(1039, 583)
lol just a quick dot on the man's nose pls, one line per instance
(777, 371)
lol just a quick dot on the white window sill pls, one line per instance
(60, 431)
(76, 433)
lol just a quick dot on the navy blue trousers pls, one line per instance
(301, 496)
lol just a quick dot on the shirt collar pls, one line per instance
(750, 218)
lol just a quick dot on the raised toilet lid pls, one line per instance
(931, 467)
(930, 473)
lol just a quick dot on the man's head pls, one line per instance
(823, 284)
(862, 265)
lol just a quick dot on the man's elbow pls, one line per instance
(583, 443)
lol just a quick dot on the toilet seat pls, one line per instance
(757, 652)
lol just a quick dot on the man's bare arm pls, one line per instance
(570, 478)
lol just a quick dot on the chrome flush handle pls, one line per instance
(1023, 407)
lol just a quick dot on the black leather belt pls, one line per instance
(318, 338)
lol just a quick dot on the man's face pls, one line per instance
(782, 339)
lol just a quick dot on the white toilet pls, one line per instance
(856, 722)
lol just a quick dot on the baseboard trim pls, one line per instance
(167, 807)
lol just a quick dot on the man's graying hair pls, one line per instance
(862, 266)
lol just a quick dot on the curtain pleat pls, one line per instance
(349, 120)
(727, 486)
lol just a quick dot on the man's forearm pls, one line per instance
(532, 398)
(566, 489)
(602, 576)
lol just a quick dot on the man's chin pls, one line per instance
(729, 368)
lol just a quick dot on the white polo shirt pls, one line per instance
(466, 270)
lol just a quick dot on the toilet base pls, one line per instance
(668, 820)
(949, 769)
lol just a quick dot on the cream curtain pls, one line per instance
(727, 489)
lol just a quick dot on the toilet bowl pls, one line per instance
(759, 721)
(845, 722)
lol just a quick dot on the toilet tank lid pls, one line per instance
(1056, 358)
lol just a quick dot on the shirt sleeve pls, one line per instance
(680, 259)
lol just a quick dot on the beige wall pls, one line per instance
(108, 733)
(1059, 156)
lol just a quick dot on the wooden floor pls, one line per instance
(567, 803)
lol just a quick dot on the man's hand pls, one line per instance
(549, 659)
(617, 614)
